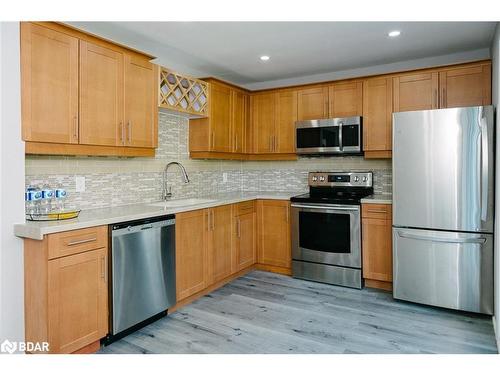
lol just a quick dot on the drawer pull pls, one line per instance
(72, 243)
(377, 211)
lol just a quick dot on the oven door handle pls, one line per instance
(326, 207)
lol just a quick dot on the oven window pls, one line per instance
(350, 135)
(325, 232)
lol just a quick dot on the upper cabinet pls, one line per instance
(221, 134)
(414, 92)
(101, 95)
(377, 117)
(85, 96)
(345, 99)
(468, 86)
(263, 119)
(49, 73)
(286, 115)
(312, 103)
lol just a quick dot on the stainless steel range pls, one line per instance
(326, 228)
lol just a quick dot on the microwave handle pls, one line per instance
(341, 146)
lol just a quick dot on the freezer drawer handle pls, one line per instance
(480, 240)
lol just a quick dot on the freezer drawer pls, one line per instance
(446, 269)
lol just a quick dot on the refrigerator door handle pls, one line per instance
(479, 240)
(484, 168)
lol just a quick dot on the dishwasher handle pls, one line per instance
(127, 228)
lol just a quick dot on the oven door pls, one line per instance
(328, 234)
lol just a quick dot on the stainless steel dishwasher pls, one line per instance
(143, 272)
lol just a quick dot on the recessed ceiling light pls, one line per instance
(264, 58)
(394, 33)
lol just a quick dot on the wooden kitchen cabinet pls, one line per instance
(415, 92)
(220, 118)
(191, 249)
(312, 103)
(286, 115)
(377, 117)
(345, 99)
(466, 86)
(82, 95)
(66, 297)
(219, 241)
(140, 103)
(377, 245)
(244, 236)
(240, 103)
(49, 85)
(263, 107)
(273, 227)
(101, 95)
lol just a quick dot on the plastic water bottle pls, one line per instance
(60, 198)
(36, 197)
(47, 199)
(28, 198)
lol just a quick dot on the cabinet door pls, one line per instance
(245, 243)
(274, 233)
(465, 87)
(239, 121)
(286, 113)
(101, 95)
(377, 114)
(220, 118)
(77, 300)
(312, 103)
(49, 85)
(416, 92)
(263, 108)
(346, 99)
(140, 126)
(220, 234)
(377, 249)
(191, 258)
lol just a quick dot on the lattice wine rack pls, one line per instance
(183, 94)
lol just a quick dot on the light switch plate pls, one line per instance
(79, 184)
(224, 177)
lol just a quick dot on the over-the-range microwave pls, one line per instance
(337, 136)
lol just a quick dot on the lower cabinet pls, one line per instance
(244, 236)
(377, 245)
(66, 297)
(274, 245)
(219, 242)
(191, 252)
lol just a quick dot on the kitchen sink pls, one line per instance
(181, 202)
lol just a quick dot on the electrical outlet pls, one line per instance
(79, 184)
(224, 177)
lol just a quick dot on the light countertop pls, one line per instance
(111, 215)
(378, 199)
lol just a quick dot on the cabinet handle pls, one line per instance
(436, 98)
(287, 214)
(103, 269)
(73, 243)
(213, 221)
(444, 98)
(129, 133)
(213, 140)
(208, 220)
(275, 144)
(377, 211)
(271, 143)
(122, 134)
(75, 127)
(238, 228)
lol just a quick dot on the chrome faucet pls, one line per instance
(167, 190)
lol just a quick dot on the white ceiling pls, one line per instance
(231, 50)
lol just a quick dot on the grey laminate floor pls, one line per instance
(268, 313)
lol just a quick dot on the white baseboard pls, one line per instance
(496, 332)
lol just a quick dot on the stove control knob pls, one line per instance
(356, 178)
(365, 179)
(315, 178)
(322, 178)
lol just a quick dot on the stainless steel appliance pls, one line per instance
(332, 136)
(443, 201)
(326, 228)
(143, 271)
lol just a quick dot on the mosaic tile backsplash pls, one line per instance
(112, 181)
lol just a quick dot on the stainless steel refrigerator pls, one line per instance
(443, 201)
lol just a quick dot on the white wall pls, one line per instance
(495, 55)
(11, 186)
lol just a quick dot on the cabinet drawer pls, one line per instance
(377, 211)
(77, 241)
(244, 208)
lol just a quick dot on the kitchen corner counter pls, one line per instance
(378, 199)
(111, 215)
